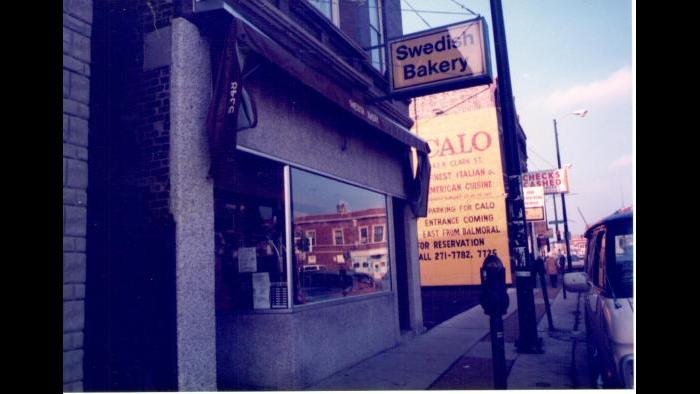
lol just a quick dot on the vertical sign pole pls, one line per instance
(556, 223)
(528, 342)
(556, 218)
(563, 205)
(498, 352)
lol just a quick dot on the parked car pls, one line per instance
(577, 263)
(607, 283)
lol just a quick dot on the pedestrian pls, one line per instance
(562, 263)
(552, 270)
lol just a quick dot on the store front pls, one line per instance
(305, 242)
(300, 293)
(288, 267)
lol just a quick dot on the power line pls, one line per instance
(450, 108)
(465, 100)
(438, 12)
(532, 166)
(540, 156)
(464, 7)
(421, 11)
(417, 13)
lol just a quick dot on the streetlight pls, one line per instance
(581, 113)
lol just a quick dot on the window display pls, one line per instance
(251, 266)
(338, 240)
(344, 260)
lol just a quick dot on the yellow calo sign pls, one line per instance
(466, 219)
(440, 59)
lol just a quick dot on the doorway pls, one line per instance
(130, 316)
(401, 264)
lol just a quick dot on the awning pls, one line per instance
(243, 32)
(288, 62)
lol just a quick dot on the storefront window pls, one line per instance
(251, 267)
(329, 8)
(343, 264)
(375, 34)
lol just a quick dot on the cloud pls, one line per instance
(622, 161)
(616, 87)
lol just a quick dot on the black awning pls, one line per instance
(266, 47)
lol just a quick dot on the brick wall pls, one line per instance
(152, 100)
(77, 26)
(454, 101)
(149, 100)
(465, 100)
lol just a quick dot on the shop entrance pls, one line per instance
(401, 264)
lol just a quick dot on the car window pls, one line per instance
(622, 261)
(601, 261)
(593, 257)
(590, 247)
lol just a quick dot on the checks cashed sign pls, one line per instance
(554, 181)
(440, 59)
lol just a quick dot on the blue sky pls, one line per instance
(566, 55)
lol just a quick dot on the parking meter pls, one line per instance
(494, 298)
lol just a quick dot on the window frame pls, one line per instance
(359, 235)
(334, 17)
(602, 256)
(592, 255)
(289, 242)
(312, 243)
(342, 235)
(374, 233)
(382, 292)
(381, 49)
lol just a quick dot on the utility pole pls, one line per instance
(556, 218)
(563, 204)
(556, 224)
(528, 342)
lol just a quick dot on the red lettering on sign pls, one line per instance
(479, 141)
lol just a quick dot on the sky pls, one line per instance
(315, 195)
(565, 55)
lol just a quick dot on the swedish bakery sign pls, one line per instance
(445, 58)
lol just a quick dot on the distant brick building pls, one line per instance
(355, 241)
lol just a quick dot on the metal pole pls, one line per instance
(542, 272)
(556, 218)
(533, 240)
(563, 204)
(498, 353)
(566, 233)
(528, 342)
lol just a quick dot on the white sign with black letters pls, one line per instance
(247, 260)
(440, 59)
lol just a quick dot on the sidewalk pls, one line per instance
(456, 355)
